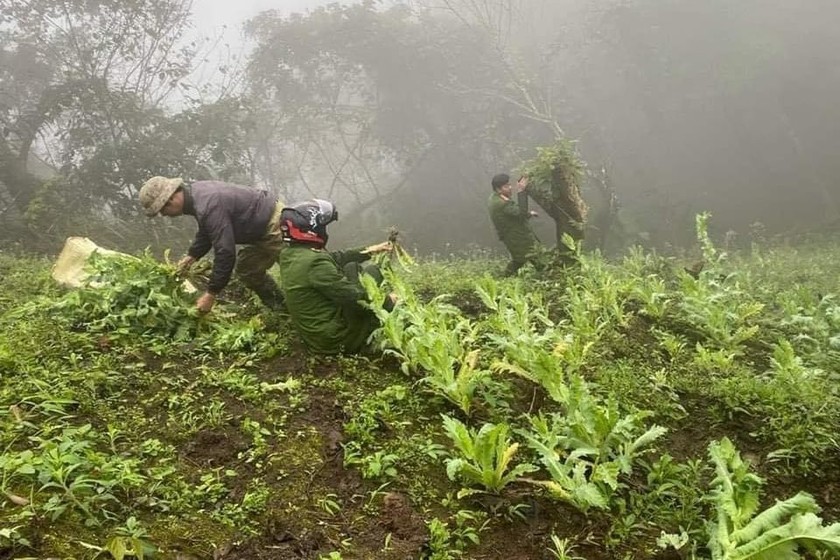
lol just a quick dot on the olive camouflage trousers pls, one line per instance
(254, 260)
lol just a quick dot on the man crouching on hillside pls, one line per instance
(227, 215)
(321, 288)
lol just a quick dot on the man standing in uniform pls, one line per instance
(321, 288)
(511, 221)
(227, 215)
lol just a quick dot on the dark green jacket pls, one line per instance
(322, 301)
(512, 225)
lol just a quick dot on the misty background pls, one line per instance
(401, 112)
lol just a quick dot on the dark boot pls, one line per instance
(271, 296)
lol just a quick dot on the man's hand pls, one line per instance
(383, 247)
(185, 264)
(205, 302)
(522, 183)
(390, 302)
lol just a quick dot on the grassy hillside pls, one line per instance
(644, 408)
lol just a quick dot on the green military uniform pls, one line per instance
(511, 222)
(322, 301)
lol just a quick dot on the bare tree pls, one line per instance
(501, 21)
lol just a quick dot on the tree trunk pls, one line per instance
(19, 185)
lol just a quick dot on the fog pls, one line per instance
(401, 112)
(209, 16)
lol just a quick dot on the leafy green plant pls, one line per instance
(711, 256)
(439, 541)
(652, 293)
(787, 367)
(601, 430)
(375, 413)
(460, 387)
(798, 409)
(433, 338)
(378, 464)
(576, 481)
(561, 549)
(598, 296)
(673, 344)
(449, 541)
(781, 531)
(533, 346)
(561, 155)
(240, 382)
(259, 448)
(486, 455)
(130, 541)
(715, 361)
(13, 537)
(672, 497)
(811, 322)
(779, 385)
(587, 448)
(329, 504)
(246, 336)
(127, 298)
(69, 470)
(713, 302)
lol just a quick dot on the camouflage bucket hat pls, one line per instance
(155, 193)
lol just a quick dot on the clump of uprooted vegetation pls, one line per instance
(125, 295)
(588, 412)
(137, 298)
(556, 175)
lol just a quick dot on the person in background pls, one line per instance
(511, 221)
(321, 288)
(228, 215)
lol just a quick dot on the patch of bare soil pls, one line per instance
(399, 518)
(214, 448)
(689, 438)
(825, 489)
(297, 526)
(279, 541)
(529, 538)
